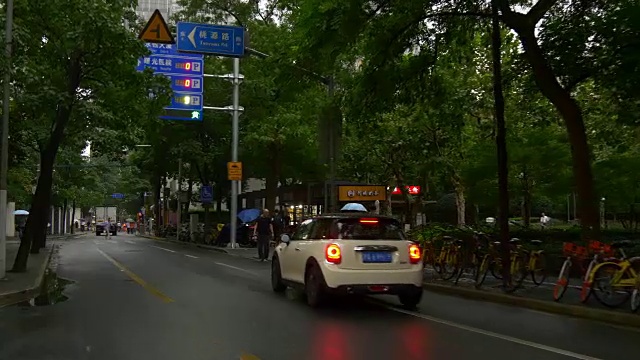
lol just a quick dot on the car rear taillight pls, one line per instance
(333, 254)
(414, 254)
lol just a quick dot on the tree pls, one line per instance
(70, 81)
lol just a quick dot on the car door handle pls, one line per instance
(297, 249)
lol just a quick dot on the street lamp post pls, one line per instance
(4, 161)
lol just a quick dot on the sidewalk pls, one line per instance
(17, 287)
(534, 297)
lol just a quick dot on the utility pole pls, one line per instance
(179, 192)
(234, 149)
(4, 161)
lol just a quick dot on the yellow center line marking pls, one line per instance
(138, 279)
(248, 357)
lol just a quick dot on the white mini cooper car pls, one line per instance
(352, 253)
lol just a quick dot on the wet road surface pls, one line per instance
(135, 298)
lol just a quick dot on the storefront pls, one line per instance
(366, 195)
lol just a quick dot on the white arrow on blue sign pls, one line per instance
(221, 40)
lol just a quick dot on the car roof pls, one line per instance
(351, 215)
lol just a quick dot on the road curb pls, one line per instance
(584, 312)
(208, 247)
(31, 292)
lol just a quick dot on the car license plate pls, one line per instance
(376, 257)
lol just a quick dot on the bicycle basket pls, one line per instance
(574, 250)
(596, 247)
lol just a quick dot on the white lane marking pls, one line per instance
(129, 242)
(161, 248)
(495, 335)
(96, 242)
(236, 268)
(112, 241)
(191, 256)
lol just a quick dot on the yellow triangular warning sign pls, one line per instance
(156, 30)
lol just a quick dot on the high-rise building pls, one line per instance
(147, 7)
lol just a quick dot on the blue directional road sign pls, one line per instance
(169, 50)
(185, 101)
(210, 39)
(185, 72)
(206, 194)
(167, 64)
(117, 196)
(183, 83)
(184, 115)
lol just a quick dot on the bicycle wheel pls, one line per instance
(518, 271)
(496, 269)
(605, 292)
(538, 269)
(563, 281)
(586, 289)
(483, 269)
(635, 300)
(466, 265)
(450, 266)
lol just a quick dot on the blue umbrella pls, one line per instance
(248, 215)
(354, 207)
(21, 212)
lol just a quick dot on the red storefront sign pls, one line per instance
(412, 190)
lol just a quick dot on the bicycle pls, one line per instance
(601, 252)
(429, 256)
(471, 260)
(616, 277)
(492, 261)
(534, 262)
(449, 255)
(572, 252)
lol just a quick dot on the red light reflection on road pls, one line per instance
(331, 342)
(415, 339)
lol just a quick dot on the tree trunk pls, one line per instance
(73, 216)
(461, 203)
(571, 114)
(157, 187)
(218, 196)
(187, 205)
(501, 145)
(65, 205)
(272, 179)
(526, 198)
(207, 225)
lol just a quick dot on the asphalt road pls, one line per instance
(135, 298)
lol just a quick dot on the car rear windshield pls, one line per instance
(369, 229)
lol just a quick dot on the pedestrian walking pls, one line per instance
(107, 227)
(264, 232)
(278, 225)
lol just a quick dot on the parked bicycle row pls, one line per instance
(603, 270)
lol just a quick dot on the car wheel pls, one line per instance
(314, 287)
(276, 276)
(410, 298)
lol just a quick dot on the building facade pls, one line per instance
(167, 7)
